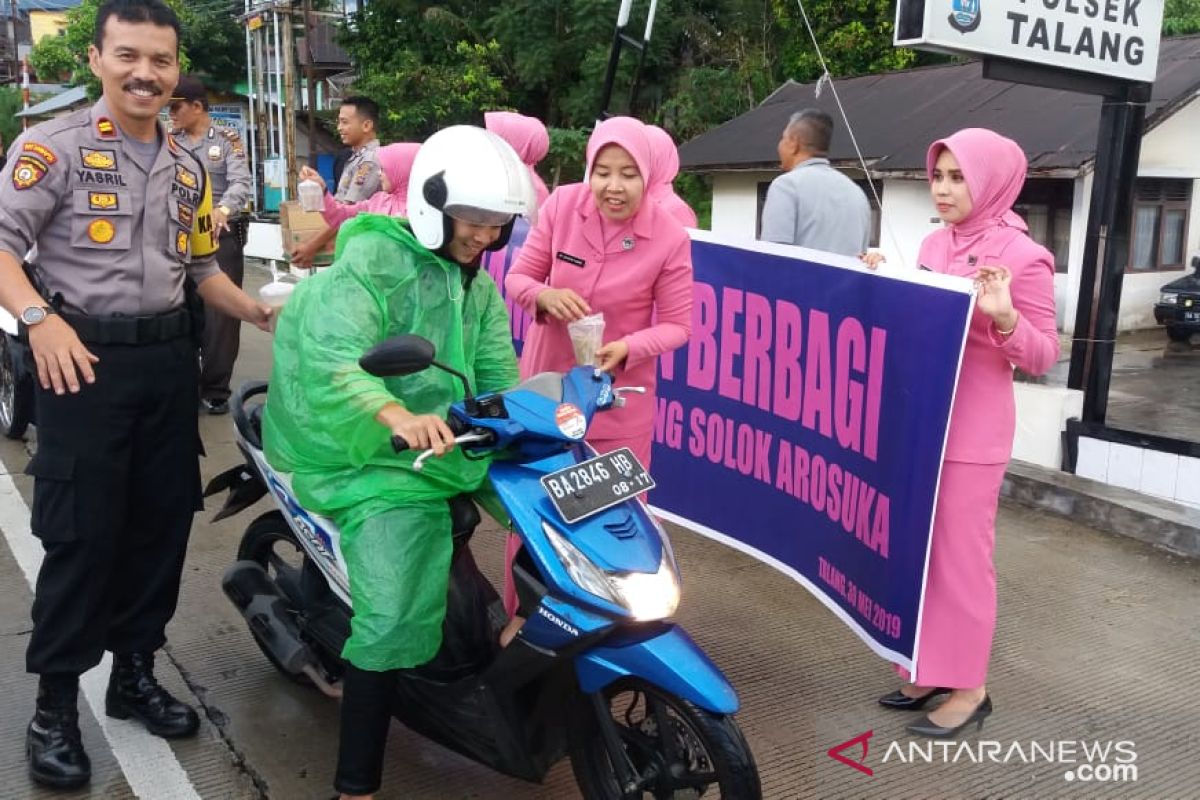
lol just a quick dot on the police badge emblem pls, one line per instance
(214, 153)
(965, 15)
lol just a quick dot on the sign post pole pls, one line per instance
(1110, 219)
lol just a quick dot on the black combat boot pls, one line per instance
(134, 692)
(53, 745)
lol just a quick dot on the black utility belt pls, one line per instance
(150, 329)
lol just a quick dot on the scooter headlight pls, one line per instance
(647, 596)
(580, 567)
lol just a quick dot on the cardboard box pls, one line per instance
(298, 226)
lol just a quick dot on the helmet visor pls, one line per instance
(478, 216)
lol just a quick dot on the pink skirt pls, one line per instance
(954, 643)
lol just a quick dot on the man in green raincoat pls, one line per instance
(329, 423)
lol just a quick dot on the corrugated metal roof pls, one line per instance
(72, 96)
(897, 114)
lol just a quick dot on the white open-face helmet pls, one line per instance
(469, 174)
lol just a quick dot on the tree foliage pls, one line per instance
(212, 45)
(11, 102)
(1181, 17)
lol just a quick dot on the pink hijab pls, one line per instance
(528, 137)
(665, 157)
(629, 134)
(994, 168)
(395, 160)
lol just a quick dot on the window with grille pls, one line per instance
(1160, 224)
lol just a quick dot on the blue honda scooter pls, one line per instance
(597, 670)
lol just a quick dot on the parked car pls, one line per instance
(16, 381)
(1178, 307)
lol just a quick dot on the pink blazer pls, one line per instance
(983, 420)
(631, 287)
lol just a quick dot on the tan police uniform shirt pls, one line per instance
(111, 239)
(360, 178)
(224, 157)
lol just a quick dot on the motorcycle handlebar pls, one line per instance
(456, 425)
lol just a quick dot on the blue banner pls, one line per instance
(805, 423)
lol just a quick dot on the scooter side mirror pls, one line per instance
(399, 355)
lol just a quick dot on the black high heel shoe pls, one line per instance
(928, 728)
(899, 701)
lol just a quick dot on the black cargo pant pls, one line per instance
(116, 483)
(222, 333)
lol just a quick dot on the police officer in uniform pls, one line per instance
(121, 217)
(224, 157)
(358, 118)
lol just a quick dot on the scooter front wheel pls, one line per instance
(670, 749)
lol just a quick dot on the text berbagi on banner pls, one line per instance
(804, 423)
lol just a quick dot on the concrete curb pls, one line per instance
(1162, 523)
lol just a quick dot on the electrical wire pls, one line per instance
(827, 78)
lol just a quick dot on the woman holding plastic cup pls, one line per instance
(395, 164)
(598, 248)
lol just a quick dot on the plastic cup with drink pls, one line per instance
(311, 194)
(587, 336)
(275, 294)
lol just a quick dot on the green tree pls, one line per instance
(212, 45)
(1180, 17)
(427, 65)
(11, 102)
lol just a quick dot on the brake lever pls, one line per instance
(466, 438)
(618, 391)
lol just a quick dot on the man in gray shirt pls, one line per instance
(812, 204)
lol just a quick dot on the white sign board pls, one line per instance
(1115, 38)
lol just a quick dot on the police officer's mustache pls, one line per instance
(142, 86)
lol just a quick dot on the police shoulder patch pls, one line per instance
(181, 243)
(41, 151)
(28, 172)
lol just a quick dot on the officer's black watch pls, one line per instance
(32, 315)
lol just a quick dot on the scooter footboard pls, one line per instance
(670, 660)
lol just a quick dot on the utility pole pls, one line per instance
(310, 84)
(288, 101)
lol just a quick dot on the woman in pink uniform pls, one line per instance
(528, 137)
(975, 176)
(665, 167)
(602, 246)
(395, 164)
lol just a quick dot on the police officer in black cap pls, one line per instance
(221, 151)
(121, 217)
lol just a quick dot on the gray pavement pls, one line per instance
(1097, 642)
(1155, 384)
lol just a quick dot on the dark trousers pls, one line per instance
(116, 483)
(219, 348)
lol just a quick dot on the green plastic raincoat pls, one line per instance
(319, 423)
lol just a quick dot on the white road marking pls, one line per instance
(148, 762)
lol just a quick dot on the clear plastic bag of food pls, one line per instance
(587, 336)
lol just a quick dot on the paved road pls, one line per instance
(1097, 642)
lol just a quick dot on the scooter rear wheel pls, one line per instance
(16, 392)
(269, 542)
(702, 754)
